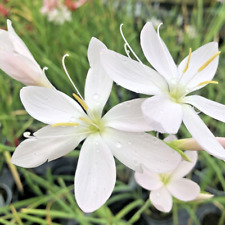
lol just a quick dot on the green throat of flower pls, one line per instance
(93, 125)
(177, 94)
(165, 178)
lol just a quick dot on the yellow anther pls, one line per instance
(83, 104)
(209, 61)
(64, 124)
(207, 82)
(188, 60)
(86, 120)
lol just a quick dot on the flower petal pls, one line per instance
(157, 53)
(94, 49)
(5, 41)
(210, 108)
(162, 114)
(161, 199)
(95, 175)
(18, 44)
(148, 180)
(140, 149)
(184, 189)
(127, 116)
(185, 167)
(131, 74)
(98, 84)
(201, 133)
(199, 58)
(47, 144)
(49, 105)
(22, 69)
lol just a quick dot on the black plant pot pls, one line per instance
(208, 214)
(6, 187)
(5, 195)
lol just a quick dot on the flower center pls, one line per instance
(92, 125)
(177, 93)
(165, 178)
(177, 90)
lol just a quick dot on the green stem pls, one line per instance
(137, 215)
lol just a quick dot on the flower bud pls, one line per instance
(191, 145)
(17, 61)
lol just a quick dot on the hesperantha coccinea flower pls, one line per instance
(170, 86)
(17, 61)
(164, 186)
(120, 133)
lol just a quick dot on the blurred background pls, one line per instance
(44, 195)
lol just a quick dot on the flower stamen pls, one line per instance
(64, 124)
(44, 69)
(67, 74)
(126, 46)
(188, 60)
(208, 61)
(158, 29)
(127, 50)
(207, 82)
(81, 101)
(27, 134)
(165, 178)
(86, 120)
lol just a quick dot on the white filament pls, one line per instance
(64, 67)
(44, 69)
(27, 134)
(127, 50)
(158, 29)
(127, 45)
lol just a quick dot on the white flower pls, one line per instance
(60, 15)
(170, 84)
(17, 61)
(120, 132)
(164, 186)
(191, 31)
(180, 20)
(56, 11)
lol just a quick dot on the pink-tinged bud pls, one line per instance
(49, 5)
(191, 145)
(17, 61)
(73, 5)
(56, 11)
(3, 11)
